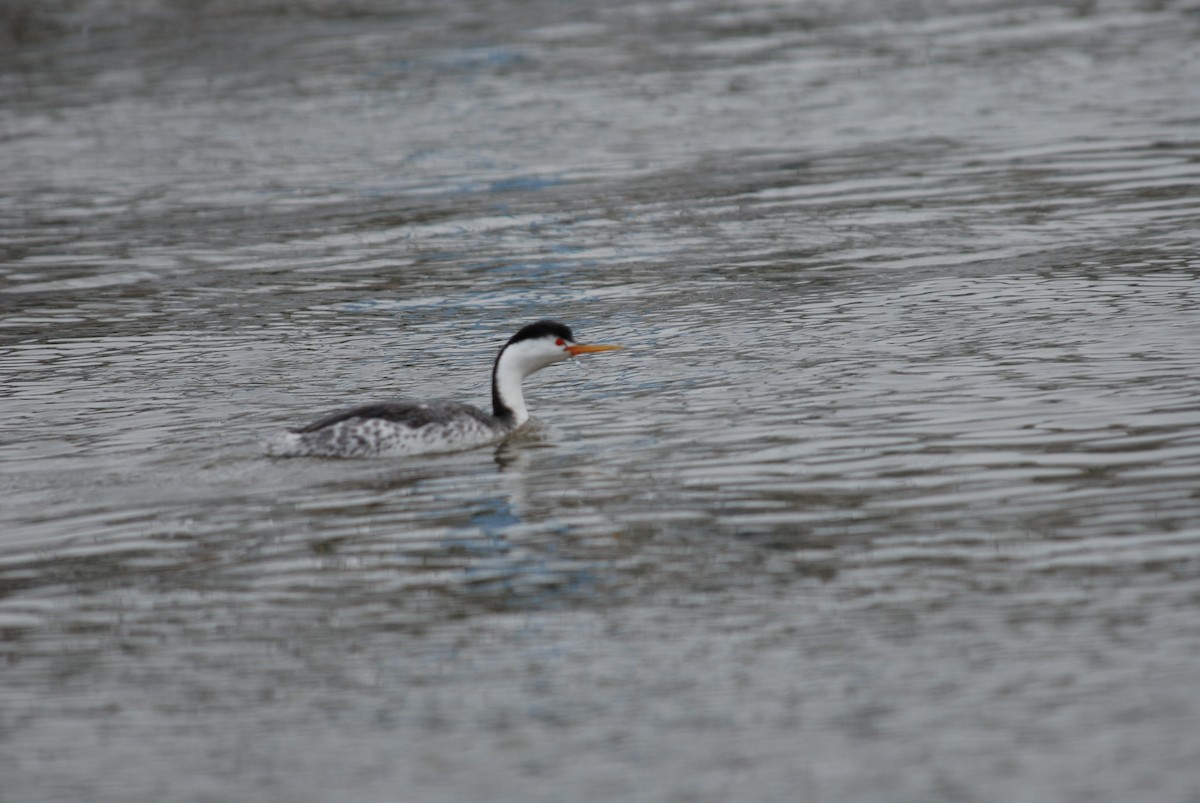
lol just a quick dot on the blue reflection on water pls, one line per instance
(521, 576)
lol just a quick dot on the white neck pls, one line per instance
(515, 362)
(507, 385)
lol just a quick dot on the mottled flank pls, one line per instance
(392, 428)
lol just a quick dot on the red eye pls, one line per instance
(560, 342)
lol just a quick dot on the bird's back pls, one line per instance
(392, 428)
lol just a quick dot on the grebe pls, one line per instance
(407, 427)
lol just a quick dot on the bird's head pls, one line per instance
(544, 343)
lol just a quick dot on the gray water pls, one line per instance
(892, 496)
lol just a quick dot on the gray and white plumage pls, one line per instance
(407, 427)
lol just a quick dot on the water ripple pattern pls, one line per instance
(892, 494)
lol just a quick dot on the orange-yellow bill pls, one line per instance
(580, 348)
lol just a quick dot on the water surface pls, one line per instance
(892, 494)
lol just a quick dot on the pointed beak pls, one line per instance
(579, 348)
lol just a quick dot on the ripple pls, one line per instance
(899, 462)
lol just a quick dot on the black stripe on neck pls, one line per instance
(499, 408)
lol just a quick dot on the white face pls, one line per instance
(533, 355)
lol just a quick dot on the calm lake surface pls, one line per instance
(894, 493)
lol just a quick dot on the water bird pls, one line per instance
(408, 427)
